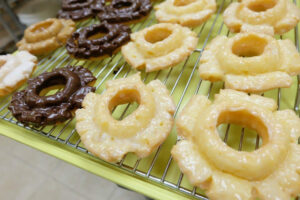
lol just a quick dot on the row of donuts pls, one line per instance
(281, 15)
(252, 61)
(29, 106)
(46, 36)
(271, 172)
(116, 11)
(145, 50)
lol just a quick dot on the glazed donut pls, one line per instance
(30, 107)
(251, 62)
(185, 12)
(159, 46)
(119, 11)
(141, 132)
(79, 10)
(278, 15)
(80, 46)
(15, 69)
(270, 172)
(46, 36)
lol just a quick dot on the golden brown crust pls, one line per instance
(159, 46)
(280, 15)
(185, 12)
(271, 172)
(251, 62)
(46, 36)
(141, 132)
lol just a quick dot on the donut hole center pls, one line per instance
(52, 86)
(261, 5)
(42, 27)
(124, 103)
(122, 5)
(157, 35)
(248, 127)
(249, 46)
(183, 2)
(97, 33)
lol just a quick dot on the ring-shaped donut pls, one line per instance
(15, 69)
(29, 107)
(251, 62)
(80, 46)
(79, 10)
(279, 15)
(185, 12)
(43, 30)
(141, 132)
(58, 77)
(120, 11)
(46, 36)
(270, 172)
(159, 46)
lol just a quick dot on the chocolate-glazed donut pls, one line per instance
(119, 11)
(28, 107)
(79, 9)
(115, 36)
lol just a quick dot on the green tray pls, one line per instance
(156, 176)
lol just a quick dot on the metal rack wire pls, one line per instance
(182, 81)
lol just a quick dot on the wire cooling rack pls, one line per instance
(182, 82)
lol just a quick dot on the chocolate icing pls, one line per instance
(78, 9)
(115, 36)
(119, 11)
(30, 108)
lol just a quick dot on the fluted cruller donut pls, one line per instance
(185, 12)
(141, 132)
(251, 62)
(268, 173)
(159, 46)
(280, 16)
(46, 36)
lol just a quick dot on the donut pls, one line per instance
(85, 43)
(30, 107)
(46, 36)
(15, 69)
(159, 46)
(79, 10)
(278, 15)
(141, 132)
(270, 172)
(121, 11)
(185, 12)
(251, 62)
